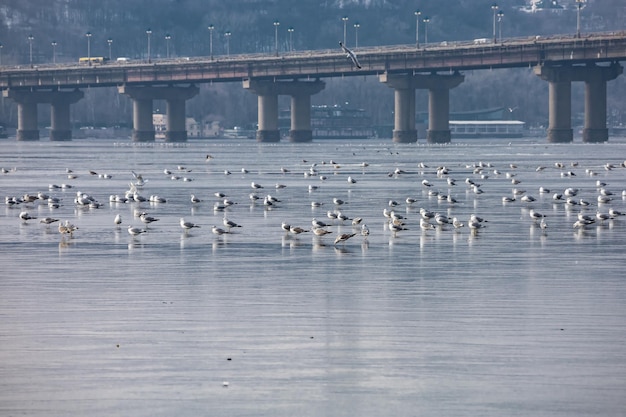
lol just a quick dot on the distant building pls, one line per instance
(205, 129)
(486, 123)
(333, 122)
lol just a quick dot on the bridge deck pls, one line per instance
(445, 56)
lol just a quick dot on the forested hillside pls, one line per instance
(316, 24)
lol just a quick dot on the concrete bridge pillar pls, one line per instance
(27, 120)
(559, 102)
(438, 86)
(61, 128)
(560, 99)
(27, 102)
(143, 126)
(300, 92)
(595, 129)
(404, 106)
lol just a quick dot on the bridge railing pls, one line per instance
(467, 45)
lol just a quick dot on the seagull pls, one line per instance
(195, 199)
(187, 225)
(318, 223)
(230, 224)
(218, 231)
(614, 213)
(342, 238)
(147, 219)
(135, 231)
(255, 185)
(318, 231)
(457, 223)
(67, 228)
(395, 228)
(425, 225)
(118, 219)
(351, 55)
(297, 230)
(48, 220)
(535, 215)
(365, 231)
(474, 225)
(26, 216)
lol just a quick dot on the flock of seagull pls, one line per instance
(394, 222)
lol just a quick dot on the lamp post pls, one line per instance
(88, 35)
(276, 24)
(579, 5)
(500, 17)
(149, 35)
(417, 28)
(227, 35)
(426, 20)
(1, 46)
(54, 51)
(31, 38)
(345, 21)
(109, 42)
(290, 30)
(494, 7)
(211, 28)
(167, 45)
(357, 25)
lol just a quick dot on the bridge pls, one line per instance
(560, 60)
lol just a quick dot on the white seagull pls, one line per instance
(187, 225)
(135, 231)
(351, 55)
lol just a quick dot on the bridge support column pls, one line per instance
(61, 128)
(27, 102)
(143, 126)
(560, 100)
(438, 86)
(300, 92)
(404, 106)
(27, 120)
(595, 129)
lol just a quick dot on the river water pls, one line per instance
(508, 320)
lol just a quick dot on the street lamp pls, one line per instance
(426, 20)
(31, 38)
(167, 45)
(290, 30)
(345, 21)
(1, 46)
(494, 7)
(417, 28)
(149, 34)
(500, 17)
(54, 52)
(211, 28)
(88, 35)
(227, 35)
(356, 35)
(109, 42)
(579, 5)
(276, 24)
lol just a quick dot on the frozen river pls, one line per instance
(510, 320)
